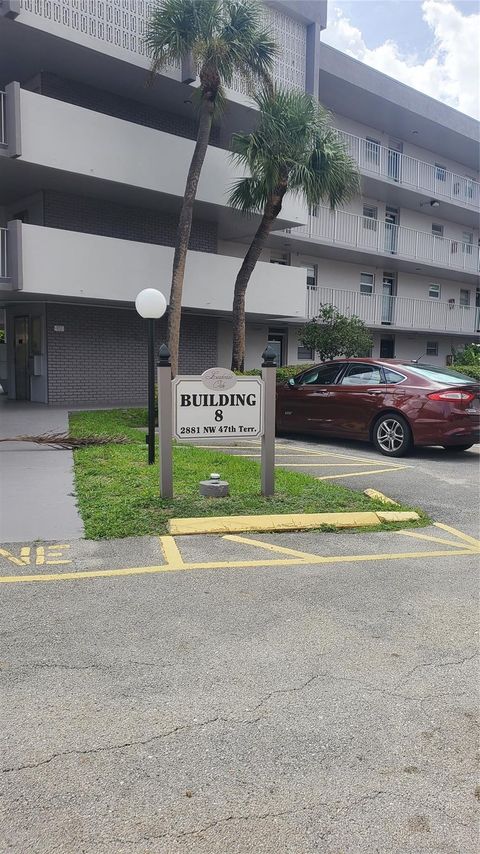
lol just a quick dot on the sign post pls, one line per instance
(164, 386)
(269, 377)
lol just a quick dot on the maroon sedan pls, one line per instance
(393, 403)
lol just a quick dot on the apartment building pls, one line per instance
(92, 171)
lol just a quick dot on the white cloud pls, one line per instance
(451, 72)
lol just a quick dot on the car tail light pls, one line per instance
(467, 396)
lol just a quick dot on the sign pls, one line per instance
(217, 405)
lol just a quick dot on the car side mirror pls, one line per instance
(291, 382)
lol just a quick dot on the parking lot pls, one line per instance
(295, 692)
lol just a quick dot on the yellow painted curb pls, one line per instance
(379, 496)
(397, 515)
(282, 522)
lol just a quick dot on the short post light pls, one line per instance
(152, 305)
(269, 376)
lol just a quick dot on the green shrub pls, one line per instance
(469, 370)
(283, 374)
(468, 355)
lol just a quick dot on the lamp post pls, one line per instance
(151, 304)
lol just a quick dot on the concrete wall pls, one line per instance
(414, 345)
(110, 219)
(100, 357)
(75, 264)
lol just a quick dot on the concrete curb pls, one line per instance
(285, 522)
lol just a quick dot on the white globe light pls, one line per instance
(151, 303)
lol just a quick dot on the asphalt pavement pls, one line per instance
(269, 693)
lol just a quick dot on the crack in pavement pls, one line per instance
(230, 720)
(108, 747)
(435, 664)
(255, 817)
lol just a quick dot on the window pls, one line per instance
(392, 376)
(311, 278)
(439, 375)
(367, 281)
(432, 348)
(437, 229)
(324, 375)
(362, 375)
(467, 245)
(372, 150)
(370, 216)
(282, 258)
(434, 291)
(440, 172)
(305, 354)
(464, 297)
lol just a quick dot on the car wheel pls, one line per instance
(456, 449)
(392, 435)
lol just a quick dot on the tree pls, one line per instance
(331, 334)
(221, 38)
(294, 149)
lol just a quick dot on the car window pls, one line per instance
(362, 375)
(392, 376)
(323, 375)
(439, 375)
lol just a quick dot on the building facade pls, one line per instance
(92, 171)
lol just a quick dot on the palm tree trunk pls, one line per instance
(184, 229)
(270, 213)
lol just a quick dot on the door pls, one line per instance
(392, 217)
(359, 397)
(387, 347)
(277, 340)
(22, 378)
(388, 298)
(394, 164)
(477, 309)
(307, 406)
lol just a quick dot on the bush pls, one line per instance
(283, 374)
(469, 370)
(468, 355)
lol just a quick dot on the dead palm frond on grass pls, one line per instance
(65, 442)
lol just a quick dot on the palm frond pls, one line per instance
(248, 195)
(66, 442)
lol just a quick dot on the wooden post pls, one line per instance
(164, 384)
(269, 377)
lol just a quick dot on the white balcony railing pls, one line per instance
(3, 254)
(403, 169)
(401, 312)
(384, 238)
(3, 123)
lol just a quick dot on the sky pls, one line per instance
(432, 45)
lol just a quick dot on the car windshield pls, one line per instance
(440, 375)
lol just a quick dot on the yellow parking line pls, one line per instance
(458, 544)
(460, 534)
(238, 564)
(322, 465)
(358, 473)
(259, 544)
(341, 456)
(171, 551)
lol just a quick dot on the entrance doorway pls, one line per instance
(387, 347)
(392, 218)
(22, 377)
(477, 309)
(277, 340)
(388, 298)
(395, 149)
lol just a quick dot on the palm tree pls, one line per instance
(294, 149)
(222, 38)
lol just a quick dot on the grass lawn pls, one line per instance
(117, 491)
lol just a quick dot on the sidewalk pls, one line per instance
(36, 482)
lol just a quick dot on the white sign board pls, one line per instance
(217, 405)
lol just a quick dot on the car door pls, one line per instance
(359, 396)
(306, 405)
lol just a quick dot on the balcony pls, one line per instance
(81, 144)
(407, 171)
(68, 264)
(3, 253)
(394, 241)
(384, 311)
